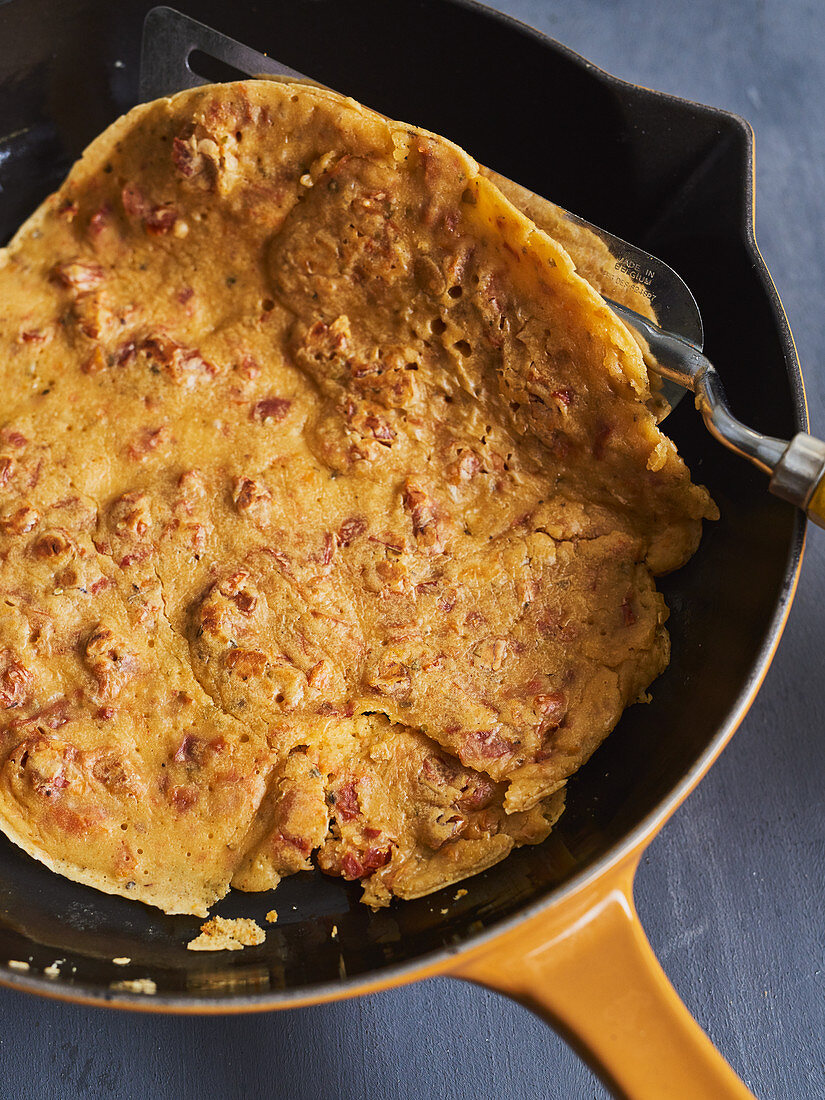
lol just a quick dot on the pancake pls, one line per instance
(330, 508)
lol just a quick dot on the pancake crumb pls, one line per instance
(227, 934)
(135, 985)
(53, 971)
(123, 960)
(460, 894)
(272, 916)
(18, 964)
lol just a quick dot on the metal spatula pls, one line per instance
(173, 43)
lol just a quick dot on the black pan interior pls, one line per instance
(674, 177)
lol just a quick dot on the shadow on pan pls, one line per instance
(671, 175)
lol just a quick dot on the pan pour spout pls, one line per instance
(796, 468)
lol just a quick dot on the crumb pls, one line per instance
(18, 964)
(460, 894)
(223, 934)
(122, 960)
(135, 985)
(53, 971)
(334, 933)
(444, 912)
(272, 916)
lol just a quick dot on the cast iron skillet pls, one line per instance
(674, 177)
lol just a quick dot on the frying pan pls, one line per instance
(553, 926)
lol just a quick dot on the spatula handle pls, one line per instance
(796, 469)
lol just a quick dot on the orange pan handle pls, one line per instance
(593, 976)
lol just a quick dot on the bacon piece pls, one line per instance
(246, 663)
(15, 682)
(158, 218)
(197, 750)
(148, 441)
(270, 408)
(125, 353)
(347, 805)
(439, 770)
(195, 159)
(465, 467)
(249, 368)
(68, 210)
(486, 744)
(351, 866)
(356, 864)
(328, 549)
(183, 365)
(130, 515)
(136, 557)
(253, 500)
(108, 659)
(20, 521)
(185, 158)
(99, 220)
(424, 514)
(322, 676)
(350, 530)
(42, 764)
(374, 858)
(329, 710)
(324, 341)
(79, 276)
(552, 707)
(116, 774)
(183, 797)
(233, 588)
(53, 716)
(419, 506)
(245, 602)
(96, 362)
(53, 544)
(380, 429)
(76, 824)
(133, 201)
(478, 795)
(300, 843)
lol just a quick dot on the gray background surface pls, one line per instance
(732, 892)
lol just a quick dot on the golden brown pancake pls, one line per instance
(330, 507)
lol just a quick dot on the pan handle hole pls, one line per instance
(212, 68)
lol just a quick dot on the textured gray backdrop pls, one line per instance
(732, 892)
